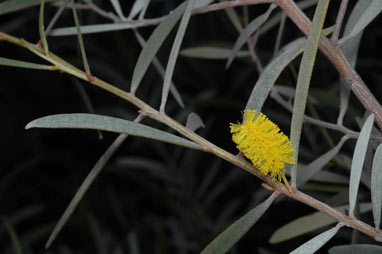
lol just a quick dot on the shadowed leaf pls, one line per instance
(41, 27)
(17, 5)
(376, 190)
(368, 14)
(270, 74)
(153, 44)
(229, 237)
(248, 31)
(356, 249)
(89, 29)
(309, 223)
(317, 242)
(194, 122)
(234, 18)
(290, 92)
(94, 172)
(350, 50)
(357, 163)
(137, 7)
(175, 52)
(15, 240)
(118, 9)
(215, 53)
(201, 3)
(157, 64)
(303, 225)
(308, 171)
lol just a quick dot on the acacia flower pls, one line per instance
(261, 141)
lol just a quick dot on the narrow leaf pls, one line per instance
(137, 7)
(234, 18)
(373, 9)
(56, 16)
(303, 81)
(80, 40)
(291, 92)
(329, 177)
(89, 29)
(308, 171)
(376, 190)
(276, 19)
(175, 52)
(17, 5)
(118, 9)
(270, 74)
(309, 223)
(97, 234)
(303, 225)
(208, 179)
(99, 28)
(215, 53)
(133, 242)
(230, 236)
(280, 33)
(317, 242)
(248, 31)
(356, 249)
(112, 124)
(194, 122)
(161, 70)
(21, 64)
(357, 163)
(15, 240)
(86, 99)
(154, 42)
(94, 172)
(350, 50)
(41, 28)
(201, 3)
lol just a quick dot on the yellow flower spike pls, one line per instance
(261, 141)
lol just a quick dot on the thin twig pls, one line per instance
(81, 42)
(89, 5)
(279, 34)
(252, 41)
(55, 17)
(339, 20)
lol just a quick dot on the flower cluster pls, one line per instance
(261, 141)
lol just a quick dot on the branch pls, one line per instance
(348, 132)
(209, 147)
(340, 18)
(334, 54)
(330, 49)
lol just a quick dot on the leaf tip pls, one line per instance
(29, 126)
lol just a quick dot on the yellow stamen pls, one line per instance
(261, 141)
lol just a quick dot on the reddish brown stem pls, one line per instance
(90, 77)
(339, 20)
(334, 54)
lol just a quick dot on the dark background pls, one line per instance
(151, 197)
